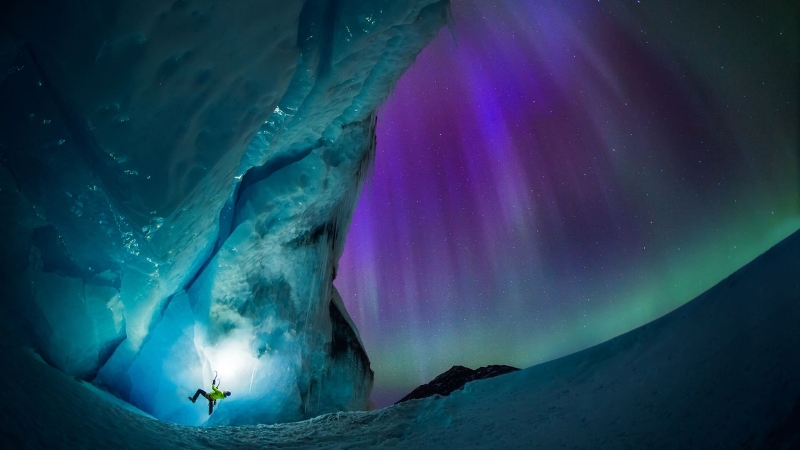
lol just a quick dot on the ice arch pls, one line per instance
(179, 178)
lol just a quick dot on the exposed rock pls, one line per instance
(455, 379)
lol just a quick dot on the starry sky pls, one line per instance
(552, 174)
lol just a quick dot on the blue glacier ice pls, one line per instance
(179, 177)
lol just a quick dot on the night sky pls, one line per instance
(552, 174)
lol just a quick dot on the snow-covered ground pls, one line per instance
(722, 371)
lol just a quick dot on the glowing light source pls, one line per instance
(234, 363)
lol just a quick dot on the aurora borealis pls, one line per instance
(551, 175)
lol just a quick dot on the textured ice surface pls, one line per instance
(719, 372)
(180, 177)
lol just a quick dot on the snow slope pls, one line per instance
(720, 372)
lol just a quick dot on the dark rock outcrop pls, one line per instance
(455, 379)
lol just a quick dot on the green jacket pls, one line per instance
(215, 393)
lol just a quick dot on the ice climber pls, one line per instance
(212, 398)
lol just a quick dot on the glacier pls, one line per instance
(179, 177)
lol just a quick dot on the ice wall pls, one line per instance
(179, 178)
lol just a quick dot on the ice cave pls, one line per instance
(178, 181)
